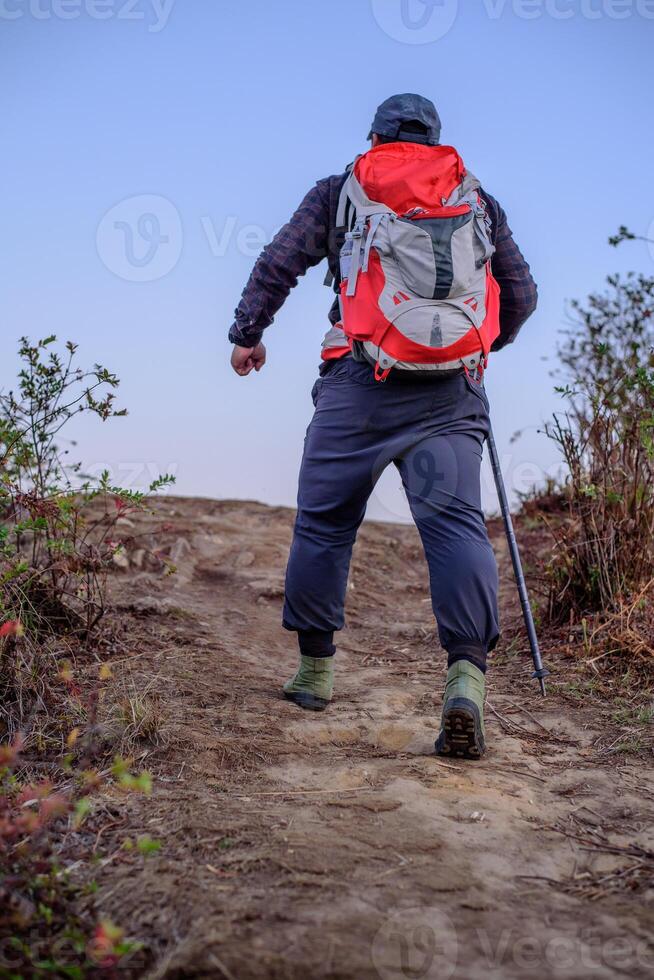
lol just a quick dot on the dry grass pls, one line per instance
(627, 632)
(139, 716)
(599, 565)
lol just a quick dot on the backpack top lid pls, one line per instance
(404, 176)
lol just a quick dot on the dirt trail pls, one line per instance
(337, 845)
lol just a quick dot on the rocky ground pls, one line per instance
(337, 845)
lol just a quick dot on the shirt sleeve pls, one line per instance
(299, 245)
(518, 291)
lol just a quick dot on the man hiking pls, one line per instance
(428, 280)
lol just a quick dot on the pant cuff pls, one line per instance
(474, 653)
(316, 643)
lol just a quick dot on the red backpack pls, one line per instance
(416, 288)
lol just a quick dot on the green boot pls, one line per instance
(462, 723)
(313, 684)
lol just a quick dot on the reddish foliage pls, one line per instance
(13, 627)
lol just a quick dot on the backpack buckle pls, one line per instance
(477, 372)
(381, 374)
(355, 237)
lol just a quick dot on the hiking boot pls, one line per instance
(462, 723)
(312, 686)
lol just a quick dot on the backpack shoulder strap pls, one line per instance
(344, 215)
(354, 203)
(354, 206)
(344, 205)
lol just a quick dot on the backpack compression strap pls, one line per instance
(365, 213)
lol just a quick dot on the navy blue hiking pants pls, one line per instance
(434, 433)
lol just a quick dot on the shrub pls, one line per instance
(57, 526)
(58, 540)
(603, 560)
(55, 550)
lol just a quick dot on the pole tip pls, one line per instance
(540, 675)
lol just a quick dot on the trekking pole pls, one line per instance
(540, 672)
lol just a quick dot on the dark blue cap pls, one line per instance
(395, 112)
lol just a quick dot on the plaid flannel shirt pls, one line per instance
(311, 236)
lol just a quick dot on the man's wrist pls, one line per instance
(251, 339)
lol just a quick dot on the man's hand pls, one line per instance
(246, 358)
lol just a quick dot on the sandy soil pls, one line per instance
(336, 844)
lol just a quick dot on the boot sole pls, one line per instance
(310, 702)
(461, 735)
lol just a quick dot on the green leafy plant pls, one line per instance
(56, 527)
(43, 930)
(59, 529)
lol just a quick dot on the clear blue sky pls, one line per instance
(229, 111)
